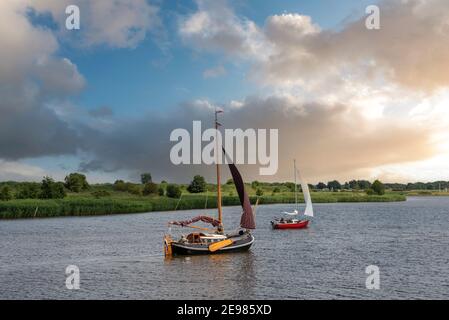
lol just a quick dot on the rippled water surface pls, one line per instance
(121, 257)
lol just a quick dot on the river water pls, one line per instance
(121, 257)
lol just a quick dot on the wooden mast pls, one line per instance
(218, 149)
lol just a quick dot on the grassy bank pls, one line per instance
(85, 205)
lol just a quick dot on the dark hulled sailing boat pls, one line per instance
(211, 241)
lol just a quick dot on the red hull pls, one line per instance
(298, 225)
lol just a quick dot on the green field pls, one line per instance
(85, 204)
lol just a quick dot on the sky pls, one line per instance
(349, 103)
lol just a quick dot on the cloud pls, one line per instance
(325, 139)
(410, 49)
(215, 27)
(118, 23)
(32, 76)
(214, 72)
(17, 171)
(101, 112)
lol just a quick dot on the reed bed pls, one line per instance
(89, 206)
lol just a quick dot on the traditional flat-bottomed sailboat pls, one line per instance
(291, 223)
(212, 241)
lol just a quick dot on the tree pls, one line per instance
(173, 191)
(259, 192)
(161, 191)
(146, 178)
(76, 182)
(290, 186)
(334, 185)
(150, 189)
(29, 191)
(364, 184)
(354, 185)
(197, 185)
(120, 185)
(230, 181)
(378, 187)
(51, 189)
(5, 194)
(321, 186)
(255, 184)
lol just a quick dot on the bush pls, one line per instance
(134, 189)
(150, 189)
(28, 191)
(198, 185)
(255, 184)
(173, 191)
(276, 190)
(51, 189)
(370, 192)
(145, 178)
(100, 193)
(5, 194)
(120, 185)
(290, 186)
(259, 192)
(378, 187)
(161, 191)
(76, 182)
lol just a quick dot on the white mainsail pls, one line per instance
(308, 200)
(305, 190)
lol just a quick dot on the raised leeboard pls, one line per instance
(221, 244)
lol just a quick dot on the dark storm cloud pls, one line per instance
(101, 112)
(34, 133)
(324, 139)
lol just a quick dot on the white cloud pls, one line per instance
(215, 27)
(118, 23)
(19, 172)
(214, 72)
(389, 79)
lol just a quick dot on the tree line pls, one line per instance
(77, 182)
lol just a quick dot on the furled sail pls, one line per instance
(247, 220)
(205, 219)
(293, 213)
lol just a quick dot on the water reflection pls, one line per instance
(226, 274)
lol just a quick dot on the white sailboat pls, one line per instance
(296, 223)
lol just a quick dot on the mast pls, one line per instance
(296, 192)
(220, 218)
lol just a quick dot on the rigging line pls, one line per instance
(179, 200)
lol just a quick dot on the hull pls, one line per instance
(297, 225)
(239, 244)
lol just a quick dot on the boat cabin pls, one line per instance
(205, 238)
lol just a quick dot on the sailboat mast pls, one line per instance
(220, 218)
(296, 191)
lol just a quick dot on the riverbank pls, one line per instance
(81, 205)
